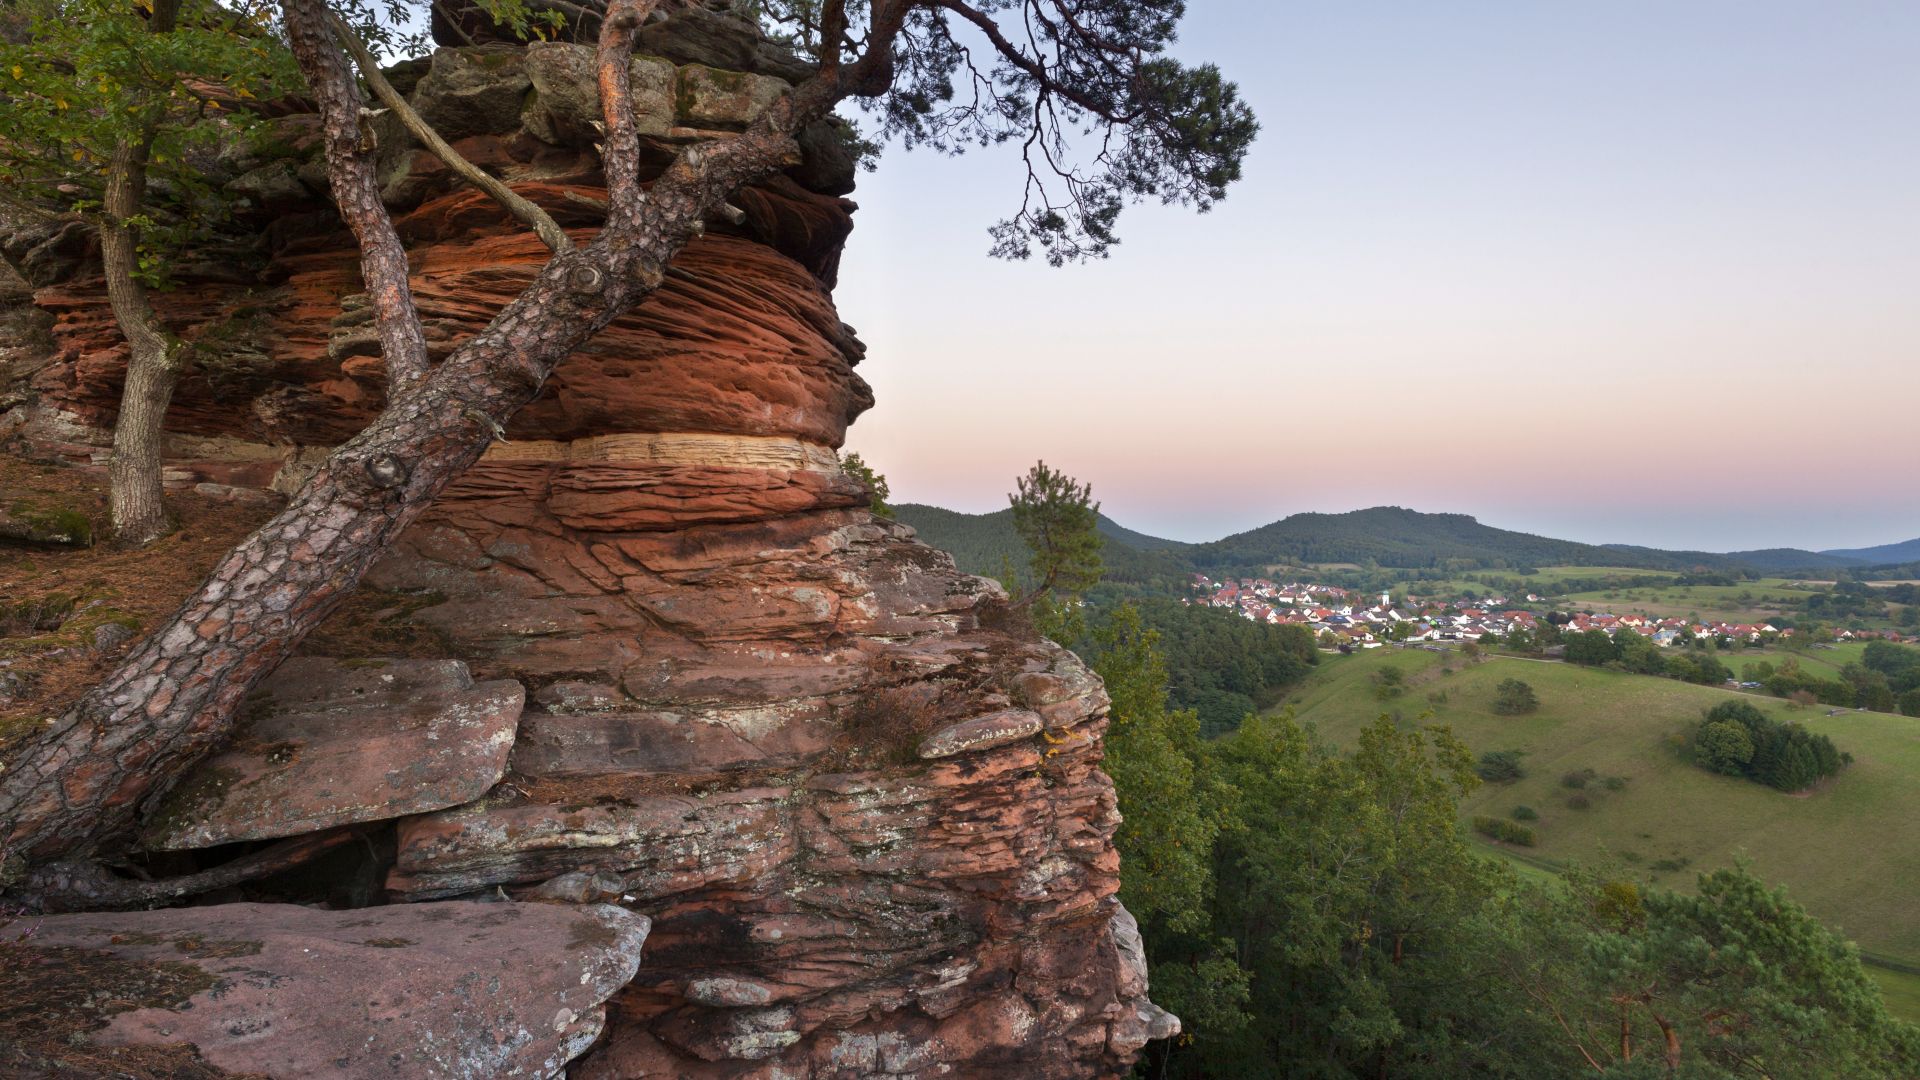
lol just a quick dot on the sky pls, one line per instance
(1642, 271)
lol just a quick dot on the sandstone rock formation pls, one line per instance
(516, 990)
(328, 744)
(859, 799)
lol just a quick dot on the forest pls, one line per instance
(1312, 912)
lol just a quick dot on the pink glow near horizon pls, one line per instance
(1626, 274)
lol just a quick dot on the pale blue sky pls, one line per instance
(1626, 271)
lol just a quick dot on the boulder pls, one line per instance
(699, 36)
(709, 97)
(329, 743)
(829, 162)
(477, 91)
(448, 991)
(565, 104)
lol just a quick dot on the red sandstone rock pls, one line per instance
(862, 805)
(429, 991)
(981, 733)
(330, 744)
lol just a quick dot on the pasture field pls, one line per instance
(1751, 601)
(1849, 850)
(1546, 581)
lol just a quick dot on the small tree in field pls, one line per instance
(1514, 698)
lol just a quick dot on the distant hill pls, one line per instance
(1786, 559)
(986, 543)
(1397, 537)
(1390, 536)
(1140, 541)
(1904, 552)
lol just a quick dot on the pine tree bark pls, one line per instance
(136, 504)
(80, 788)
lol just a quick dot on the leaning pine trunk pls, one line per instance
(80, 788)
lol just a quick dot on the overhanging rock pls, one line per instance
(331, 742)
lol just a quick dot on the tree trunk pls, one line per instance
(136, 507)
(83, 784)
(1672, 1039)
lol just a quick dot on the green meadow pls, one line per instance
(1849, 850)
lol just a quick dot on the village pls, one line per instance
(1345, 618)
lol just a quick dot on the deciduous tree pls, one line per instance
(113, 112)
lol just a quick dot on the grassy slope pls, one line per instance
(1850, 851)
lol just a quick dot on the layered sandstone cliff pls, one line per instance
(858, 798)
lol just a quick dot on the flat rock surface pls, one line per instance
(426, 991)
(331, 743)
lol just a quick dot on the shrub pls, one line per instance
(1503, 830)
(1579, 801)
(1614, 783)
(1737, 739)
(1525, 813)
(1514, 698)
(1725, 747)
(1578, 778)
(1500, 766)
(1389, 683)
(1667, 866)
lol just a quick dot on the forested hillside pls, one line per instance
(1791, 559)
(1387, 536)
(1906, 551)
(1393, 536)
(1225, 667)
(986, 544)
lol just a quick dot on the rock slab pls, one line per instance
(331, 743)
(447, 991)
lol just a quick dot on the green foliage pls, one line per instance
(1223, 666)
(1733, 981)
(1503, 830)
(1577, 778)
(877, 491)
(1056, 517)
(1389, 682)
(1592, 648)
(1791, 680)
(1342, 888)
(1514, 698)
(1168, 827)
(1500, 766)
(987, 544)
(1391, 536)
(88, 77)
(1525, 813)
(1871, 688)
(1724, 746)
(1697, 666)
(1350, 931)
(1740, 740)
